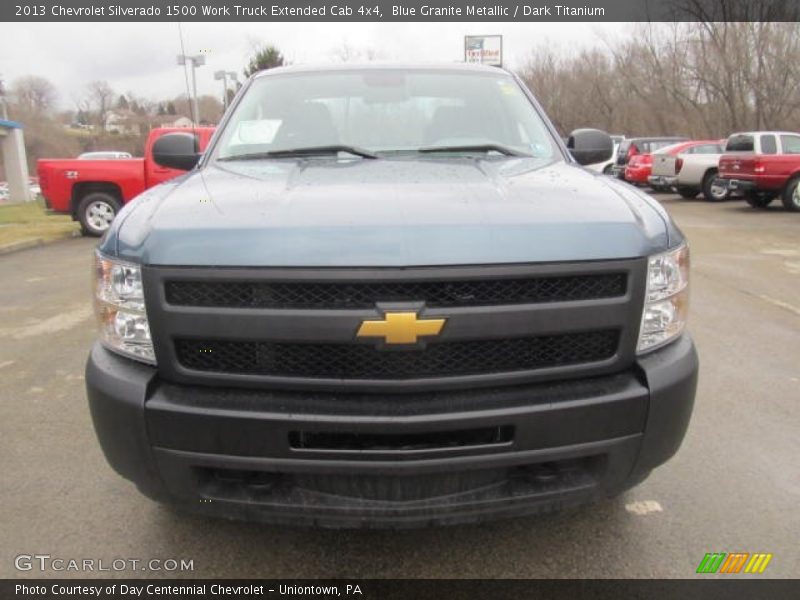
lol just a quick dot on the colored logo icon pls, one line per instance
(735, 562)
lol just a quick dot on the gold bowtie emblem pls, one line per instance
(400, 328)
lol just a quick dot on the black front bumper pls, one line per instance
(372, 459)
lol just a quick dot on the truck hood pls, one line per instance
(392, 212)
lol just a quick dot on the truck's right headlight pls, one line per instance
(666, 303)
(119, 307)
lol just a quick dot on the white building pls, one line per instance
(122, 122)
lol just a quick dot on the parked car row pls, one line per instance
(760, 165)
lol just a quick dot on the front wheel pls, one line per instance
(96, 211)
(791, 195)
(759, 199)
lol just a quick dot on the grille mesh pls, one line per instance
(348, 295)
(361, 361)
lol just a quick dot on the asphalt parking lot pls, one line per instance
(733, 487)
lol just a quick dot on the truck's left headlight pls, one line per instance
(120, 311)
(666, 303)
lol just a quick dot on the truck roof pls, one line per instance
(764, 133)
(656, 138)
(443, 67)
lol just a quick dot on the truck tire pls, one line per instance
(688, 192)
(791, 194)
(711, 191)
(760, 199)
(96, 211)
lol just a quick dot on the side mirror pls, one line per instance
(589, 146)
(176, 151)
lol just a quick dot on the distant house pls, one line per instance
(80, 126)
(180, 122)
(122, 122)
(170, 121)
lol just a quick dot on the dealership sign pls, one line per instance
(484, 49)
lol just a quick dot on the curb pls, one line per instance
(35, 243)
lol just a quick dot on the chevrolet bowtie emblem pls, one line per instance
(400, 328)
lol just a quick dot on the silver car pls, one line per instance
(104, 155)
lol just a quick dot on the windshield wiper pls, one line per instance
(499, 148)
(310, 151)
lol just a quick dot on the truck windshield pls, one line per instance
(385, 112)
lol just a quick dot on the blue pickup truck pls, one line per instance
(389, 297)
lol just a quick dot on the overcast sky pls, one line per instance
(141, 57)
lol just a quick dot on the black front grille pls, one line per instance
(363, 294)
(337, 489)
(361, 361)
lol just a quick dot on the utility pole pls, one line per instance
(198, 60)
(223, 75)
(3, 109)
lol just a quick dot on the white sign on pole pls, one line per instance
(484, 49)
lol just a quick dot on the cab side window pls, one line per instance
(790, 144)
(768, 144)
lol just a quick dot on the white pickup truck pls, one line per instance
(691, 172)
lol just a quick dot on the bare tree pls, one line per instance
(101, 97)
(579, 89)
(209, 106)
(34, 94)
(347, 52)
(702, 79)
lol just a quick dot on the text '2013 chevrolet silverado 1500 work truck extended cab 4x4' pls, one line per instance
(389, 296)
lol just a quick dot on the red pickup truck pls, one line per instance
(763, 165)
(93, 191)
